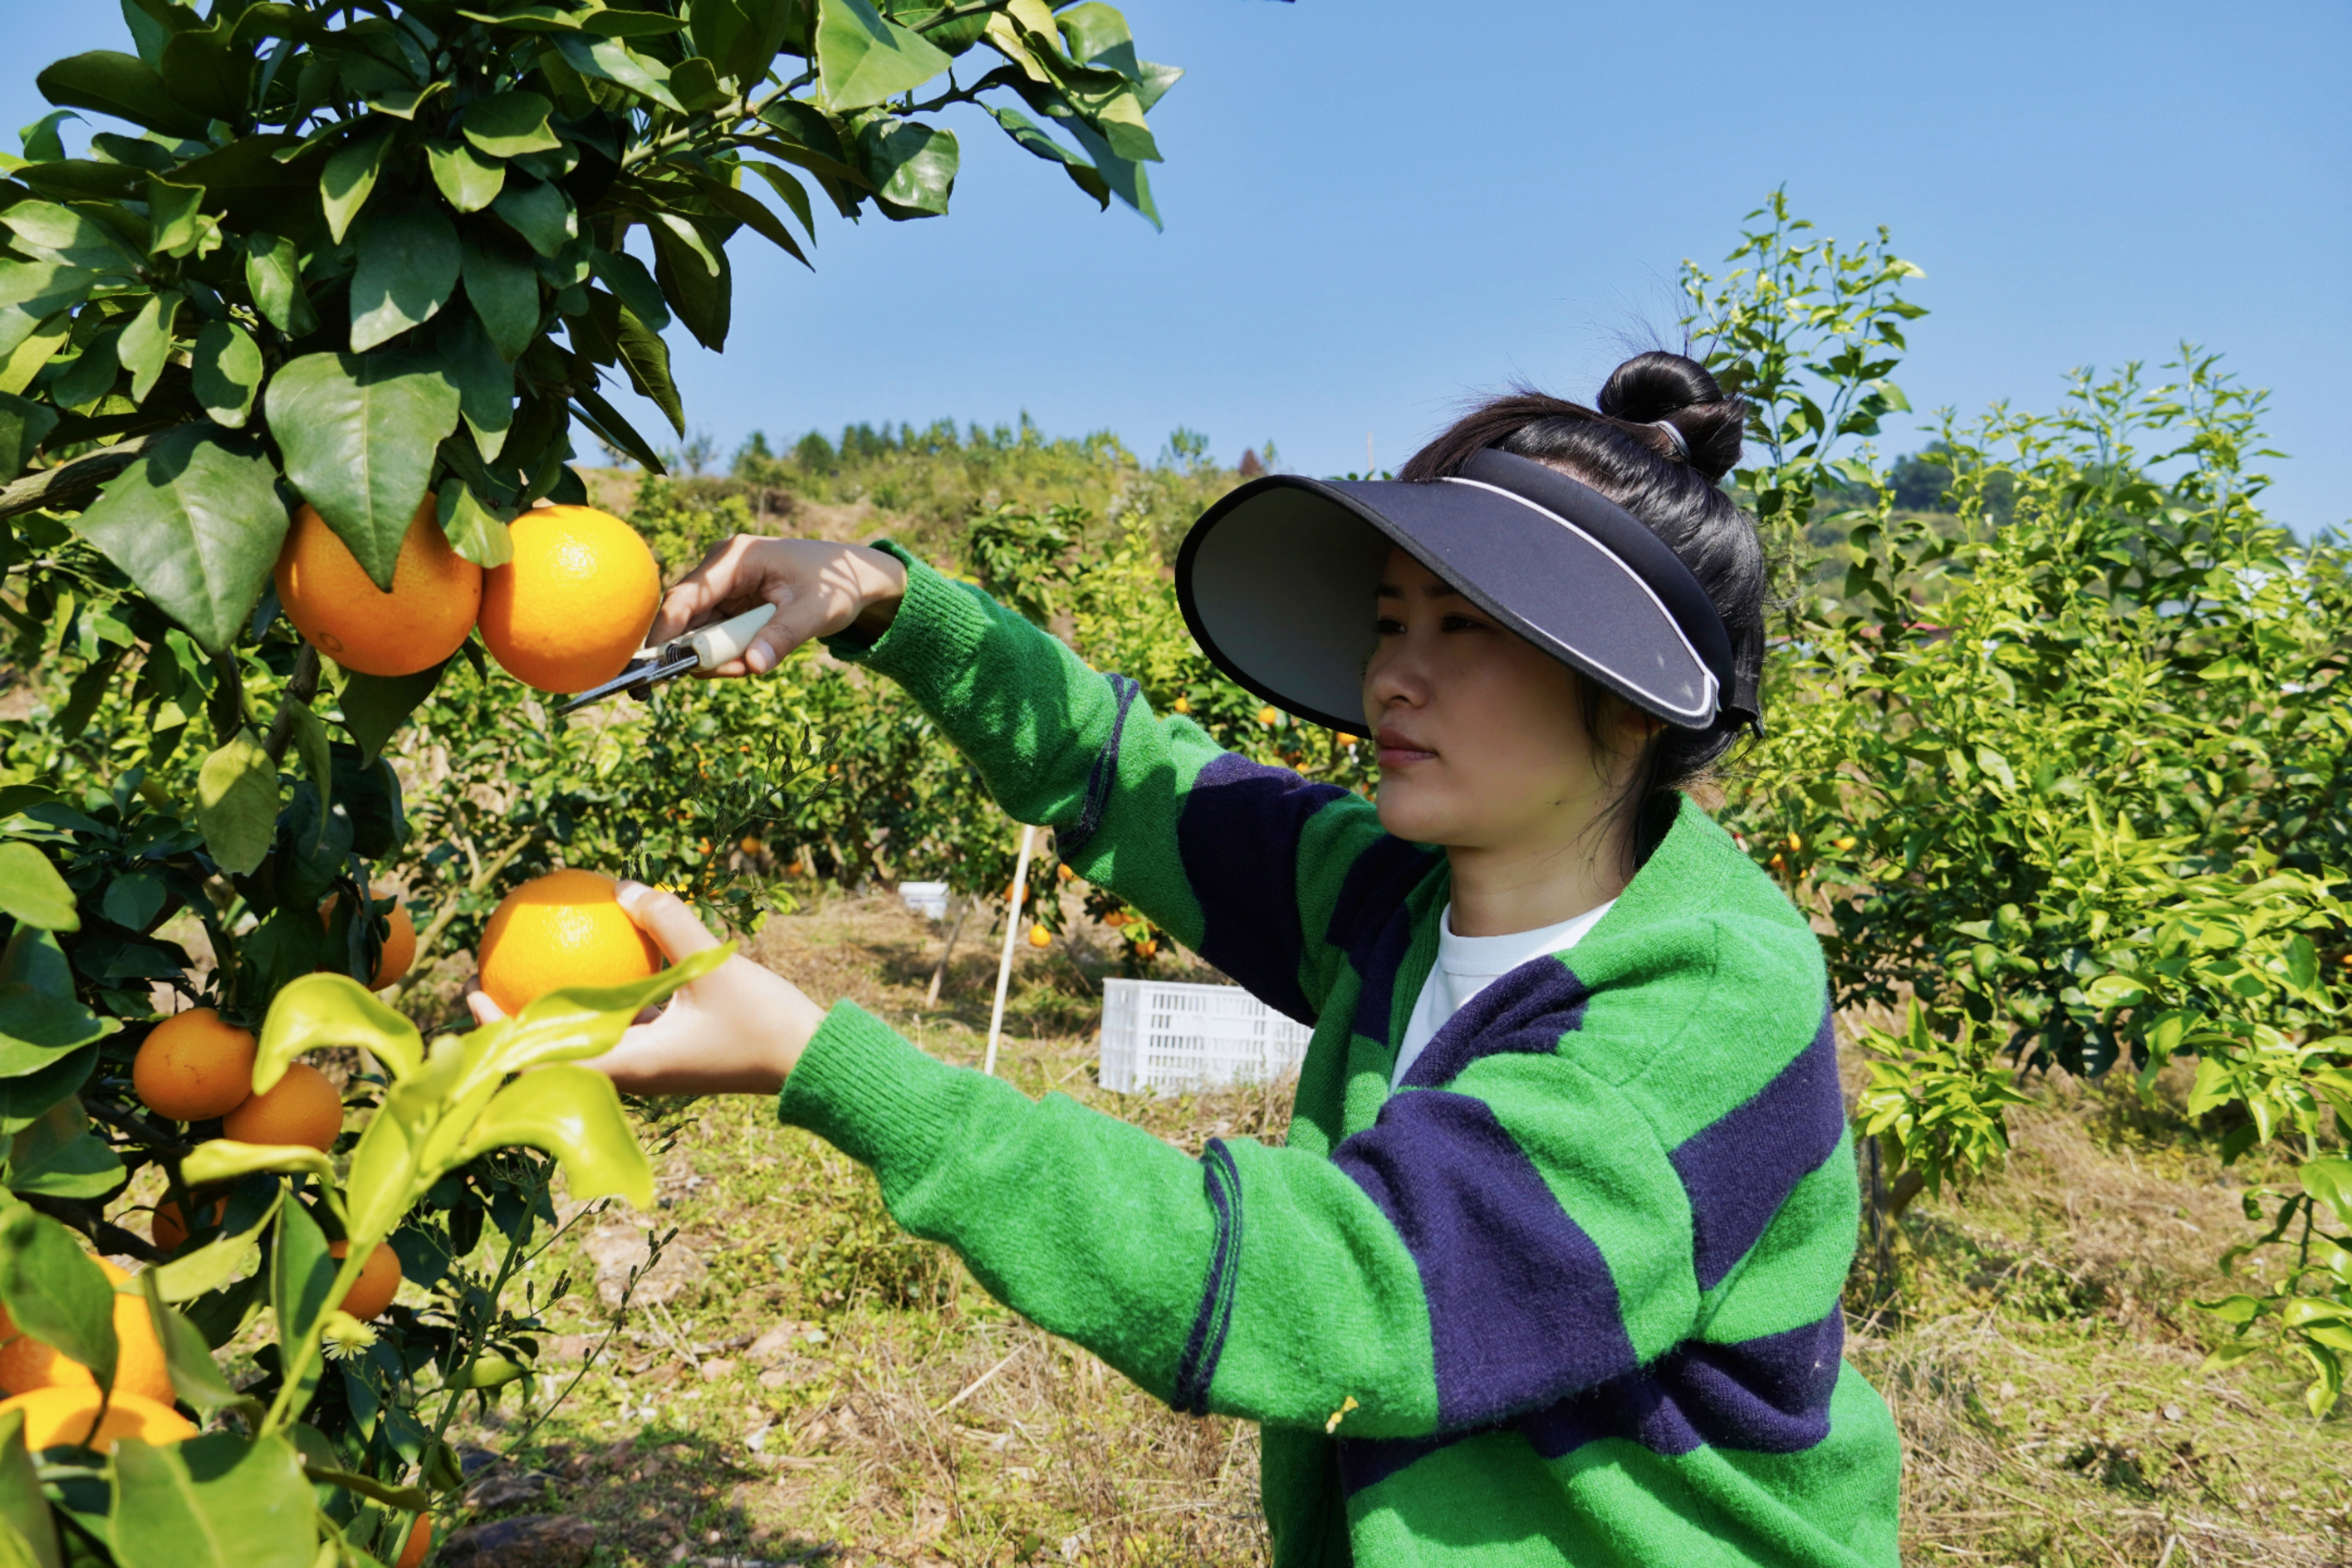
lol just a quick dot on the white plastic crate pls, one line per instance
(1167, 1037)
(929, 900)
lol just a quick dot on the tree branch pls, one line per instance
(300, 687)
(73, 476)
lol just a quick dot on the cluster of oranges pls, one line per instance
(565, 614)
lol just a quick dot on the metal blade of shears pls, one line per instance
(640, 675)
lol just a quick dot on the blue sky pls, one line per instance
(1374, 209)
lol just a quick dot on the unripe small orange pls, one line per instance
(301, 1107)
(378, 1283)
(193, 1066)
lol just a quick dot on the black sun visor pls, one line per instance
(1277, 579)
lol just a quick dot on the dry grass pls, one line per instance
(2038, 1355)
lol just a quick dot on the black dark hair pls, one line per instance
(1672, 487)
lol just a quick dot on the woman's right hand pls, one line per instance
(819, 588)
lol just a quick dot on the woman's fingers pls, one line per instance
(485, 1010)
(732, 576)
(664, 917)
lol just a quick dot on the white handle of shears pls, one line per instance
(715, 646)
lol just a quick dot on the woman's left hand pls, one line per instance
(740, 1029)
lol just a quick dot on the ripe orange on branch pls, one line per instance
(399, 950)
(436, 595)
(574, 603)
(566, 928)
(57, 1418)
(169, 1227)
(193, 1066)
(378, 1283)
(300, 1108)
(27, 1363)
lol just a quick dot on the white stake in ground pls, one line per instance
(1012, 934)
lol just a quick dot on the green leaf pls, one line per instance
(187, 1359)
(301, 1272)
(217, 1261)
(2329, 1181)
(309, 735)
(607, 422)
(485, 382)
(123, 85)
(28, 1534)
(360, 434)
(59, 1157)
(375, 706)
(504, 288)
(1027, 135)
(55, 1292)
(133, 900)
(196, 524)
(32, 891)
(145, 346)
(510, 124)
(408, 264)
(2115, 990)
(226, 1158)
(40, 1016)
(213, 1501)
(23, 426)
(611, 60)
(67, 237)
(753, 213)
(474, 531)
(574, 1113)
(34, 296)
(205, 70)
(467, 181)
(175, 217)
(225, 372)
(273, 273)
(321, 1011)
(27, 1097)
(863, 58)
(236, 803)
(912, 165)
(540, 212)
(349, 178)
(693, 277)
(646, 357)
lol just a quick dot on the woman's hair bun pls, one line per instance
(1658, 385)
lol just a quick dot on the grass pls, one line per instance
(818, 1385)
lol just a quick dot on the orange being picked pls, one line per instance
(574, 603)
(27, 1363)
(399, 949)
(378, 1283)
(566, 928)
(193, 1067)
(169, 1227)
(300, 1108)
(59, 1418)
(436, 595)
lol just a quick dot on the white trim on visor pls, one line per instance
(1711, 701)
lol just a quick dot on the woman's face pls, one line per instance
(1482, 738)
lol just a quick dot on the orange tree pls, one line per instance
(376, 261)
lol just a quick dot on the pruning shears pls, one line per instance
(705, 649)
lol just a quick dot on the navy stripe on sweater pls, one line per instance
(1070, 842)
(1196, 1370)
(1372, 926)
(1238, 836)
(1766, 1395)
(1526, 1011)
(1740, 1168)
(1521, 1302)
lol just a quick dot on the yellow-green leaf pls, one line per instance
(574, 1113)
(226, 1158)
(321, 1010)
(236, 803)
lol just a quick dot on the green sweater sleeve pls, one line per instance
(1246, 864)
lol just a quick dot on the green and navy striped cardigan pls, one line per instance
(1574, 1284)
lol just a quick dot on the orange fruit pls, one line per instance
(303, 1107)
(399, 949)
(420, 1541)
(27, 1363)
(1040, 937)
(193, 1067)
(566, 928)
(59, 1417)
(379, 1281)
(574, 603)
(169, 1227)
(436, 595)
